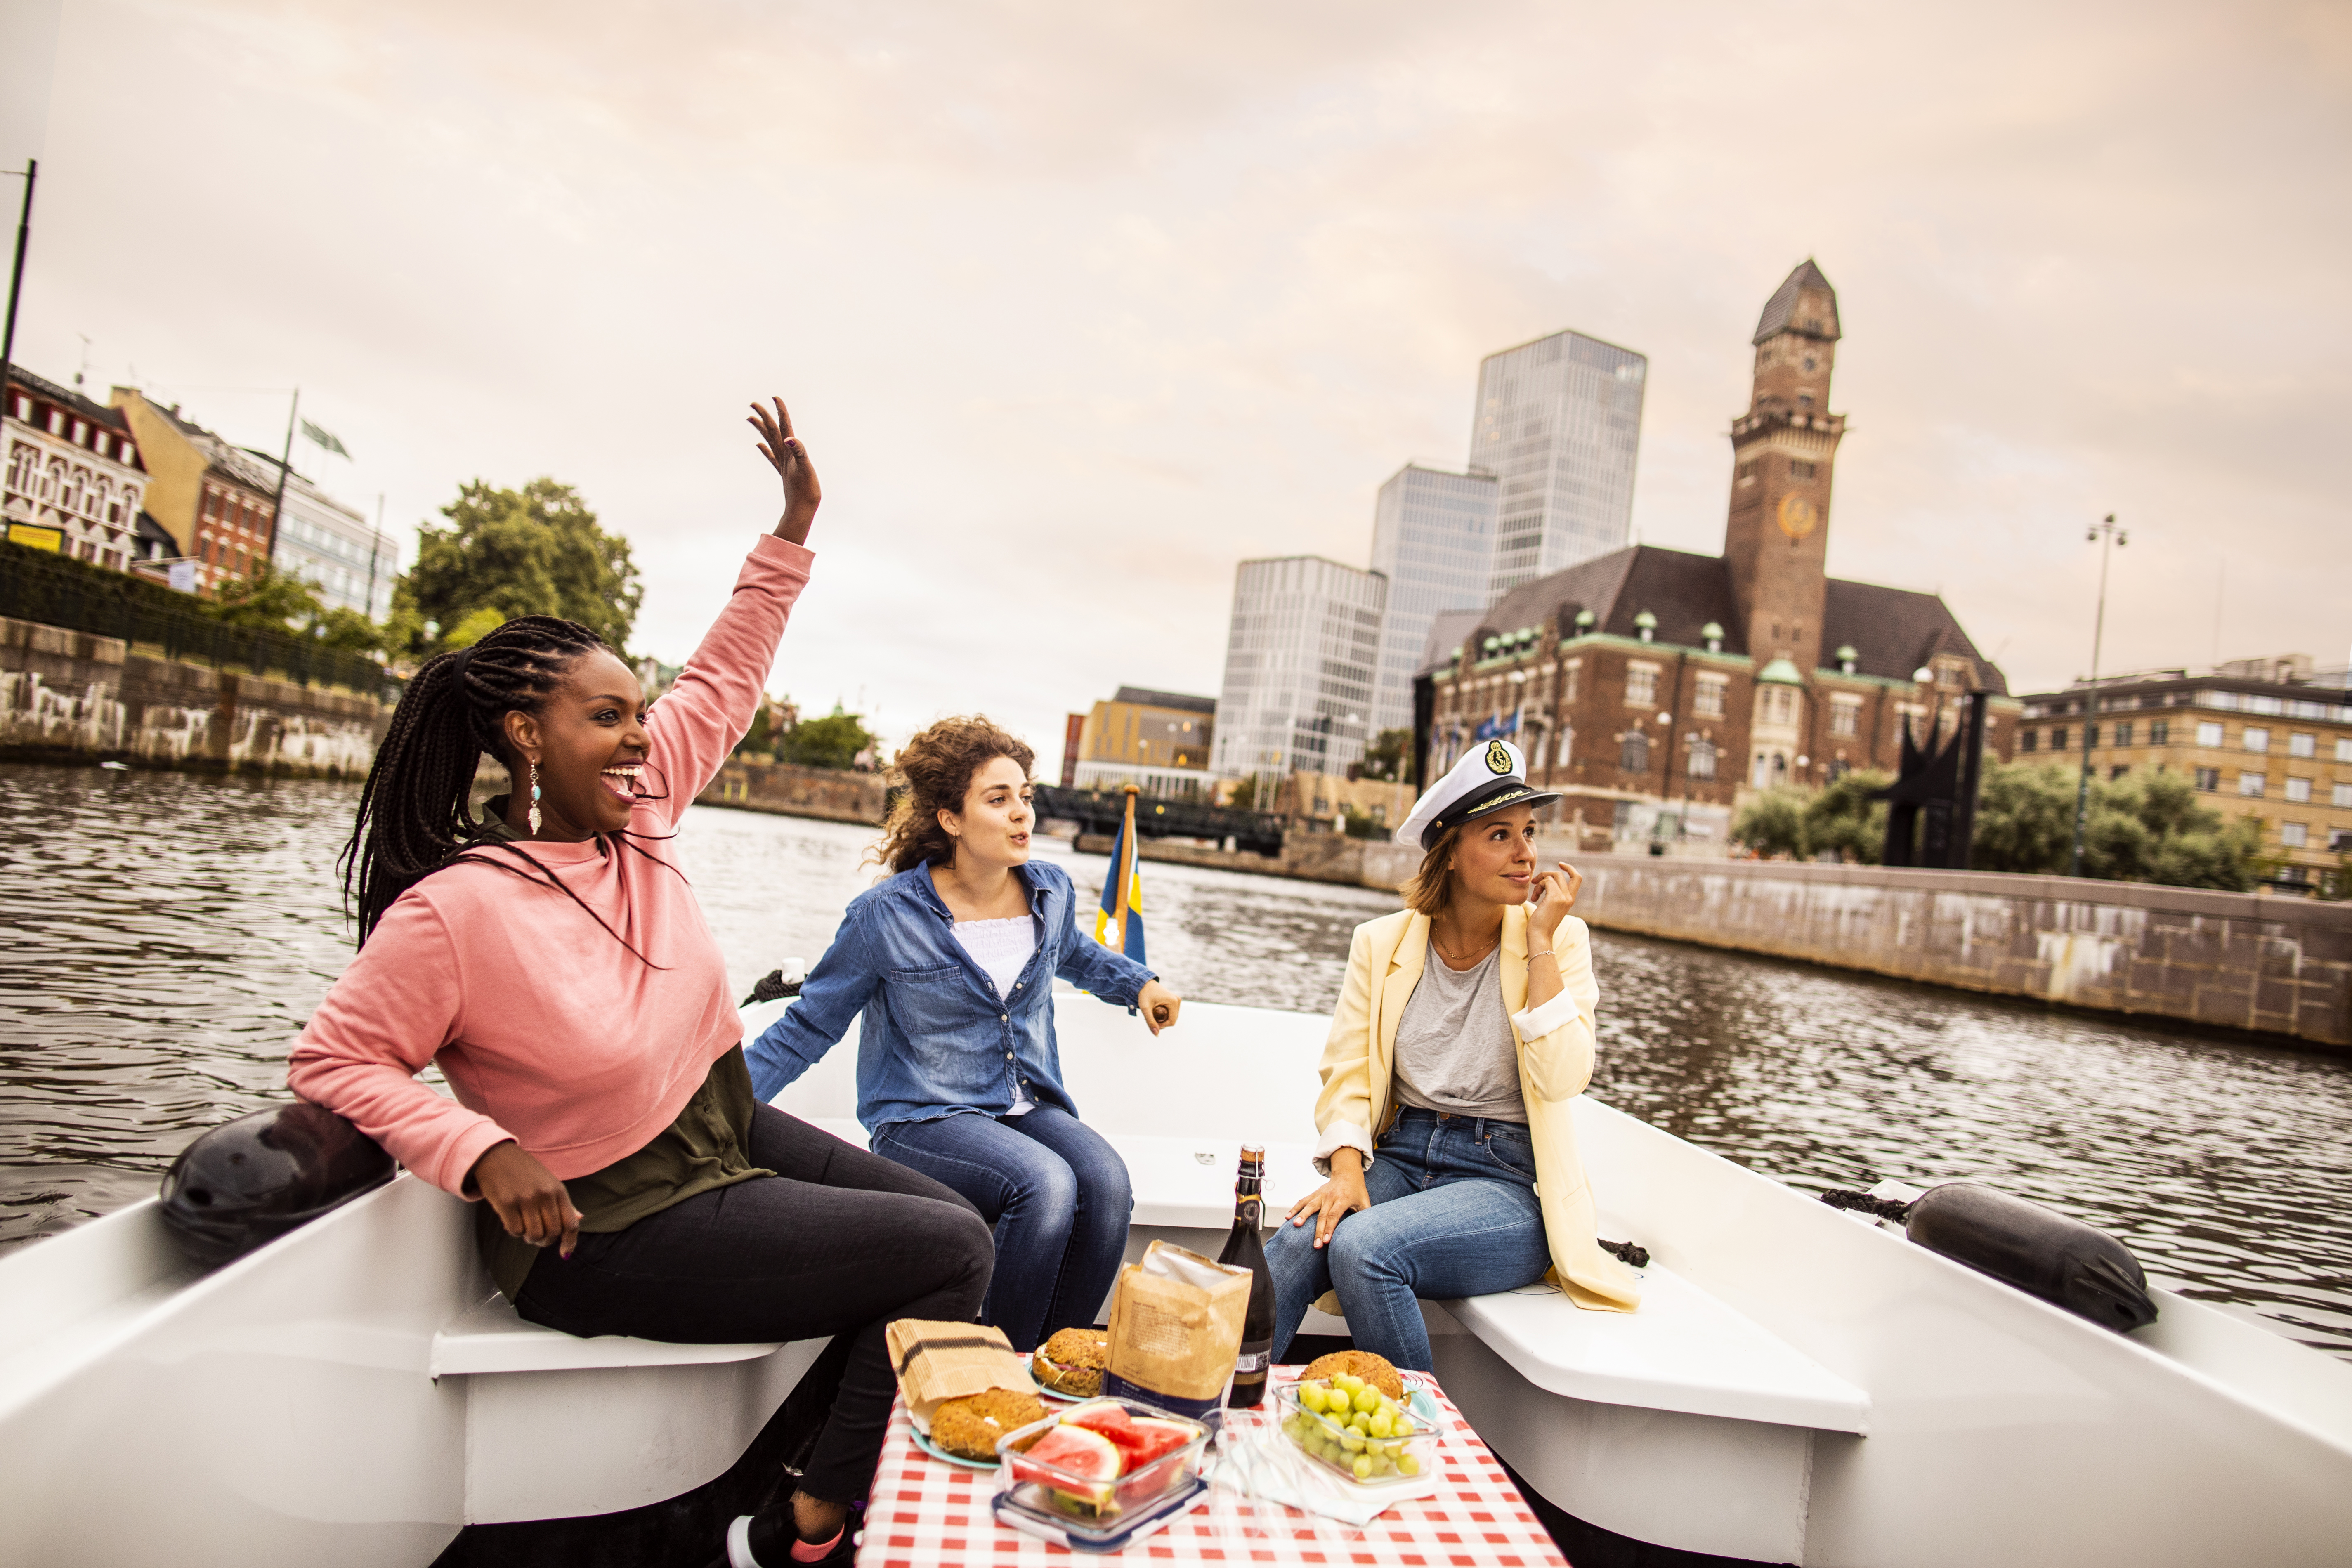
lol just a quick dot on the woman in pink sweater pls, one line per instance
(552, 961)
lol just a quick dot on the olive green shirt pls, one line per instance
(704, 1149)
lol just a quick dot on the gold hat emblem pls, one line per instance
(1498, 758)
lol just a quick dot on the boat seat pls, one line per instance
(1685, 1351)
(558, 1426)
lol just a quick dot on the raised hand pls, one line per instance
(790, 457)
(1555, 896)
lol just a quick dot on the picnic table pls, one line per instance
(924, 1511)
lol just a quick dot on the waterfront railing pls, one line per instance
(52, 589)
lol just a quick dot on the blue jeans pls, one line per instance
(1057, 1193)
(1454, 1214)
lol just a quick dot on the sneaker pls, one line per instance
(774, 1534)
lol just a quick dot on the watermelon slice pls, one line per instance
(1107, 1418)
(1150, 1437)
(1075, 1463)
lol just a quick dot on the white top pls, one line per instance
(1002, 948)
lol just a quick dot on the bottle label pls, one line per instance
(1253, 1364)
(1250, 1211)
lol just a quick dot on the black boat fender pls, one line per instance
(2038, 1250)
(252, 1180)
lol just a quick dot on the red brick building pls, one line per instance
(1654, 688)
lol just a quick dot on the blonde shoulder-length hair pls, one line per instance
(1427, 890)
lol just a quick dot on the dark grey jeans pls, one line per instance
(838, 1241)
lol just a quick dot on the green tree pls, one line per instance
(533, 551)
(269, 600)
(1387, 757)
(1772, 822)
(832, 742)
(1842, 816)
(2146, 827)
(348, 631)
(1244, 795)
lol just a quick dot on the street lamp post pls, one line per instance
(2107, 536)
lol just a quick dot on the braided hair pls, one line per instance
(415, 811)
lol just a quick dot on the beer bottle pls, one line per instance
(1244, 1250)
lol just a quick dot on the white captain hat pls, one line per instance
(1489, 777)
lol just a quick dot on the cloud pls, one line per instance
(1080, 305)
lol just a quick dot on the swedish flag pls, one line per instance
(1119, 922)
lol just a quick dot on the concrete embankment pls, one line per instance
(2271, 965)
(72, 697)
(2241, 961)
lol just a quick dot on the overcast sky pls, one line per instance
(1079, 304)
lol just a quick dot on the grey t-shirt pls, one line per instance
(1454, 1045)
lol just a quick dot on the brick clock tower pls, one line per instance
(1776, 540)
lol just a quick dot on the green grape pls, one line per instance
(1367, 1398)
(1407, 1464)
(1401, 1424)
(1380, 1425)
(1349, 1380)
(1363, 1467)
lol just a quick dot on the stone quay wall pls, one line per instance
(829, 794)
(2268, 964)
(68, 696)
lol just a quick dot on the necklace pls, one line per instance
(1465, 957)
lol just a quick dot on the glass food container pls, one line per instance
(1137, 1464)
(1370, 1460)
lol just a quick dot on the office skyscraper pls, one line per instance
(1300, 654)
(1434, 539)
(1558, 422)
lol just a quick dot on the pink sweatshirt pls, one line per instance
(552, 1032)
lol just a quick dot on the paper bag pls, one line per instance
(1176, 1330)
(939, 1361)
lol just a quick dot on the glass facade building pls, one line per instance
(1558, 423)
(1300, 657)
(1434, 539)
(332, 547)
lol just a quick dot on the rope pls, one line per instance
(773, 987)
(1878, 1208)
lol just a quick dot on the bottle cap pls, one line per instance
(1253, 1153)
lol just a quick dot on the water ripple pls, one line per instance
(170, 933)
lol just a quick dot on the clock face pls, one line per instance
(1798, 516)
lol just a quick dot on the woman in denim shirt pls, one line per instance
(951, 963)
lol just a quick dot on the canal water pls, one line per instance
(168, 934)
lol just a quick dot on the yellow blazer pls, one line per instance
(1384, 963)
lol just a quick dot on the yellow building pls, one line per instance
(2270, 739)
(1157, 741)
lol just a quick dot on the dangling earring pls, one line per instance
(534, 800)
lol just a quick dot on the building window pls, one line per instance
(2027, 740)
(2293, 835)
(2209, 780)
(1641, 685)
(2058, 738)
(2250, 784)
(1748, 472)
(2257, 740)
(1845, 715)
(1707, 703)
(2302, 743)
(2298, 790)
(2209, 735)
(1634, 751)
(1702, 759)
(2122, 733)
(2343, 795)
(2118, 771)
(2160, 733)
(1568, 690)
(1797, 468)
(2344, 749)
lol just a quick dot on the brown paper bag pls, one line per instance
(1176, 1330)
(939, 1361)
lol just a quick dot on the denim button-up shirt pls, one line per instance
(935, 1039)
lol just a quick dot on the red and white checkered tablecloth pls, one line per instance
(924, 1512)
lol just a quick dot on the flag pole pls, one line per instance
(1123, 860)
(17, 275)
(285, 467)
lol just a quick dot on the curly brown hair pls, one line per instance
(931, 776)
(1427, 889)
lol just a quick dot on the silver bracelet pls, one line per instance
(1547, 952)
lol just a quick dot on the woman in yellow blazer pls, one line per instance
(1464, 1031)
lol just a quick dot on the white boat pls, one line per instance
(1799, 1386)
